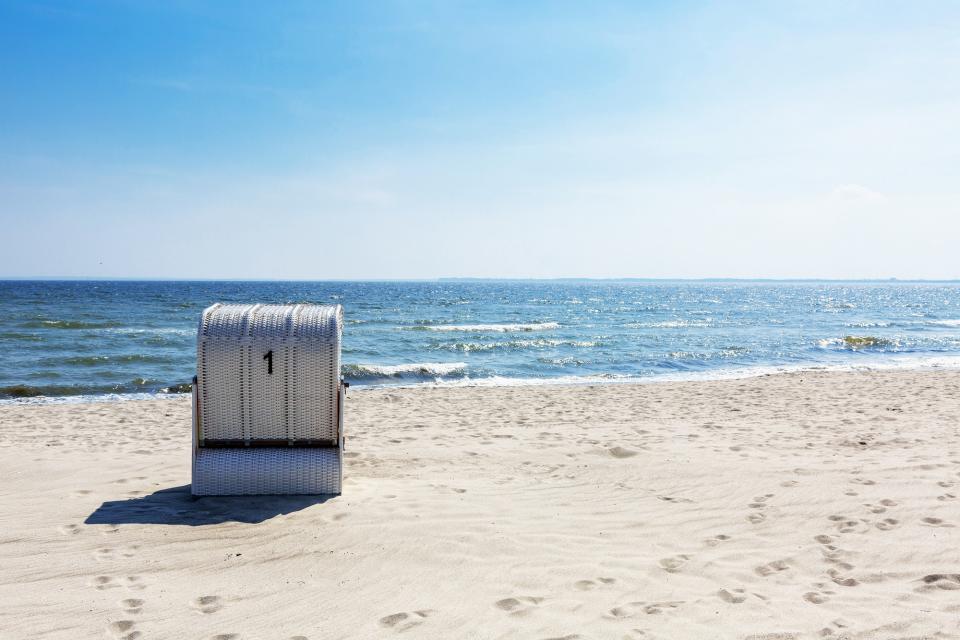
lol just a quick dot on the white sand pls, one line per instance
(801, 505)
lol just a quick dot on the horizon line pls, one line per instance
(889, 280)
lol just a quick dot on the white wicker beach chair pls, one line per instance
(268, 401)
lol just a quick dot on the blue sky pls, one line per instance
(499, 139)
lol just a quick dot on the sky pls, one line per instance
(366, 140)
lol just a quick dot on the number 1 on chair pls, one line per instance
(269, 359)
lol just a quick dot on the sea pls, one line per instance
(77, 341)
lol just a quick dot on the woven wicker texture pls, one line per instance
(266, 471)
(269, 372)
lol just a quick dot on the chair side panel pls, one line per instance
(314, 383)
(220, 376)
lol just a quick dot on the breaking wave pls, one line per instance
(513, 345)
(68, 324)
(419, 371)
(905, 323)
(103, 360)
(135, 386)
(489, 328)
(671, 324)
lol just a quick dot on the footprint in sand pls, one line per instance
(225, 636)
(123, 629)
(102, 555)
(834, 556)
(519, 605)
(715, 540)
(756, 518)
(771, 568)
(207, 604)
(815, 597)
(733, 596)
(620, 452)
(69, 529)
(934, 522)
(887, 524)
(586, 585)
(134, 583)
(840, 580)
(404, 620)
(632, 609)
(132, 605)
(946, 581)
(946, 496)
(81, 492)
(104, 582)
(844, 524)
(674, 563)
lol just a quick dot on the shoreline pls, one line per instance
(888, 363)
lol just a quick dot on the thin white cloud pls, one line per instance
(857, 193)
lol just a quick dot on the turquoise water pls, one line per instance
(80, 339)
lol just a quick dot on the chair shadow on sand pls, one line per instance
(175, 506)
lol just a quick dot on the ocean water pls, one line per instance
(82, 340)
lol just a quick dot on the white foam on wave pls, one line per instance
(425, 369)
(945, 323)
(467, 347)
(151, 331)
(493, 328)
(869, 325)
(733, 373)
(671, 324)
(90, 397)
(953, 322)
(503, 381)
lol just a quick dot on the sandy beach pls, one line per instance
(801, 505)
